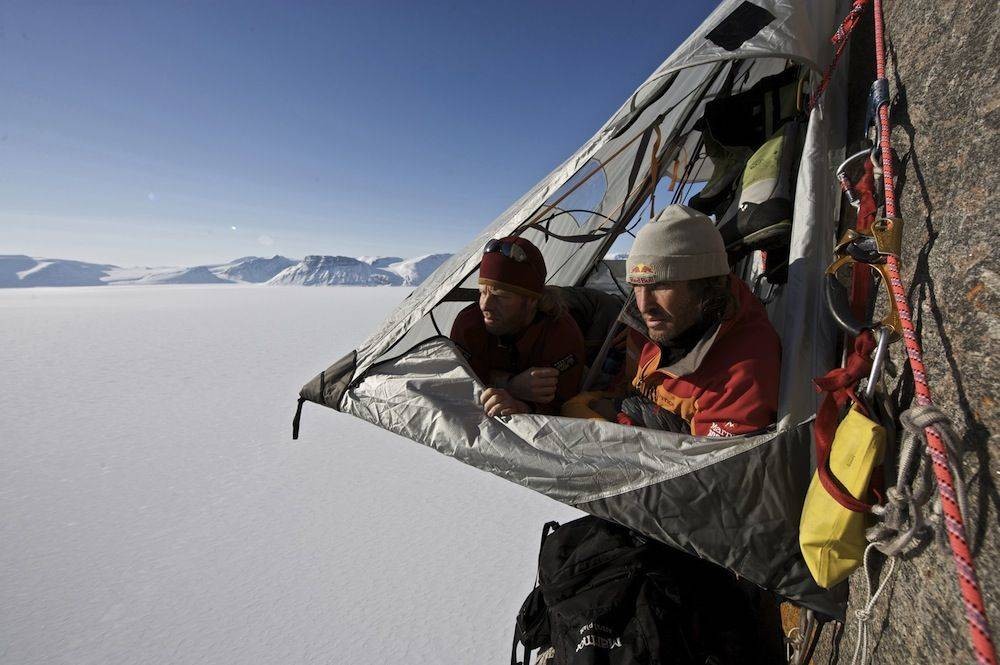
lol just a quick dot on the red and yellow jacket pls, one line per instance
(728, 383)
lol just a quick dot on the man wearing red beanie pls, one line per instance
(520, 340)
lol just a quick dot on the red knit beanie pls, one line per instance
(525, 277)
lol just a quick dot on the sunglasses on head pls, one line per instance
(507, 248)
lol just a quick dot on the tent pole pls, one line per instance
(595, 367)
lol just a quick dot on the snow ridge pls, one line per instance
(315, 270)
(22, 271)
(327, 270)
(416, 270)
(380, 261)
(253, 269)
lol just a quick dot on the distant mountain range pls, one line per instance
(26, 271)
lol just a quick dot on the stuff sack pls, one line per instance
(832, 536)
(607, 596)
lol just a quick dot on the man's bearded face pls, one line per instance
(505, 313)
(668, 309)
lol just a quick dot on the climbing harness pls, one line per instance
(901, 519)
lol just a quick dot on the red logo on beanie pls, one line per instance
(642, 273)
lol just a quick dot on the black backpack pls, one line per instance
(608, 596)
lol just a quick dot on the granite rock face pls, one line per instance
(944, 80)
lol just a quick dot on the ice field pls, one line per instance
(153, 508)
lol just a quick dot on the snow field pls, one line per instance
(153, 508)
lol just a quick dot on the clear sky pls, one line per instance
(164, 133)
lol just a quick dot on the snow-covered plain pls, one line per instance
(153, 508)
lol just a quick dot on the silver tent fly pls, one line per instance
(733, 501)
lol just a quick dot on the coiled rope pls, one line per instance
(901, 519)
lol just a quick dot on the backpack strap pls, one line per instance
(547, 530)
(519, 637)
(513, 649)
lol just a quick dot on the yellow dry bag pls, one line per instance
(831, 535)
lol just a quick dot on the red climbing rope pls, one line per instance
(839, 41)
(975, 610)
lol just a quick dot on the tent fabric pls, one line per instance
(733, 501)
(800, 32)
(712, 497)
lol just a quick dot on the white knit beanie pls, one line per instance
(679, 245)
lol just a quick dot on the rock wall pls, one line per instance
(943, 72)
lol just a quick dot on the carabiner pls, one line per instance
(845, 182)
(878, 361)
(853, 158)
(878, 97)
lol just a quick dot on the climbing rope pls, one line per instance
(839, 41)
(975, 610)
(901, 521)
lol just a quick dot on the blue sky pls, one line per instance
(144, 132)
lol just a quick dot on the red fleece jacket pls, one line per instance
(547, 342)
(727, 384)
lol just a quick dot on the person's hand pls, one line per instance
(536, 384)
(499, 402)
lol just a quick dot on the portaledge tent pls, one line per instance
(733, 501)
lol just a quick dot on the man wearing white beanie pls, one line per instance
(712, 359)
